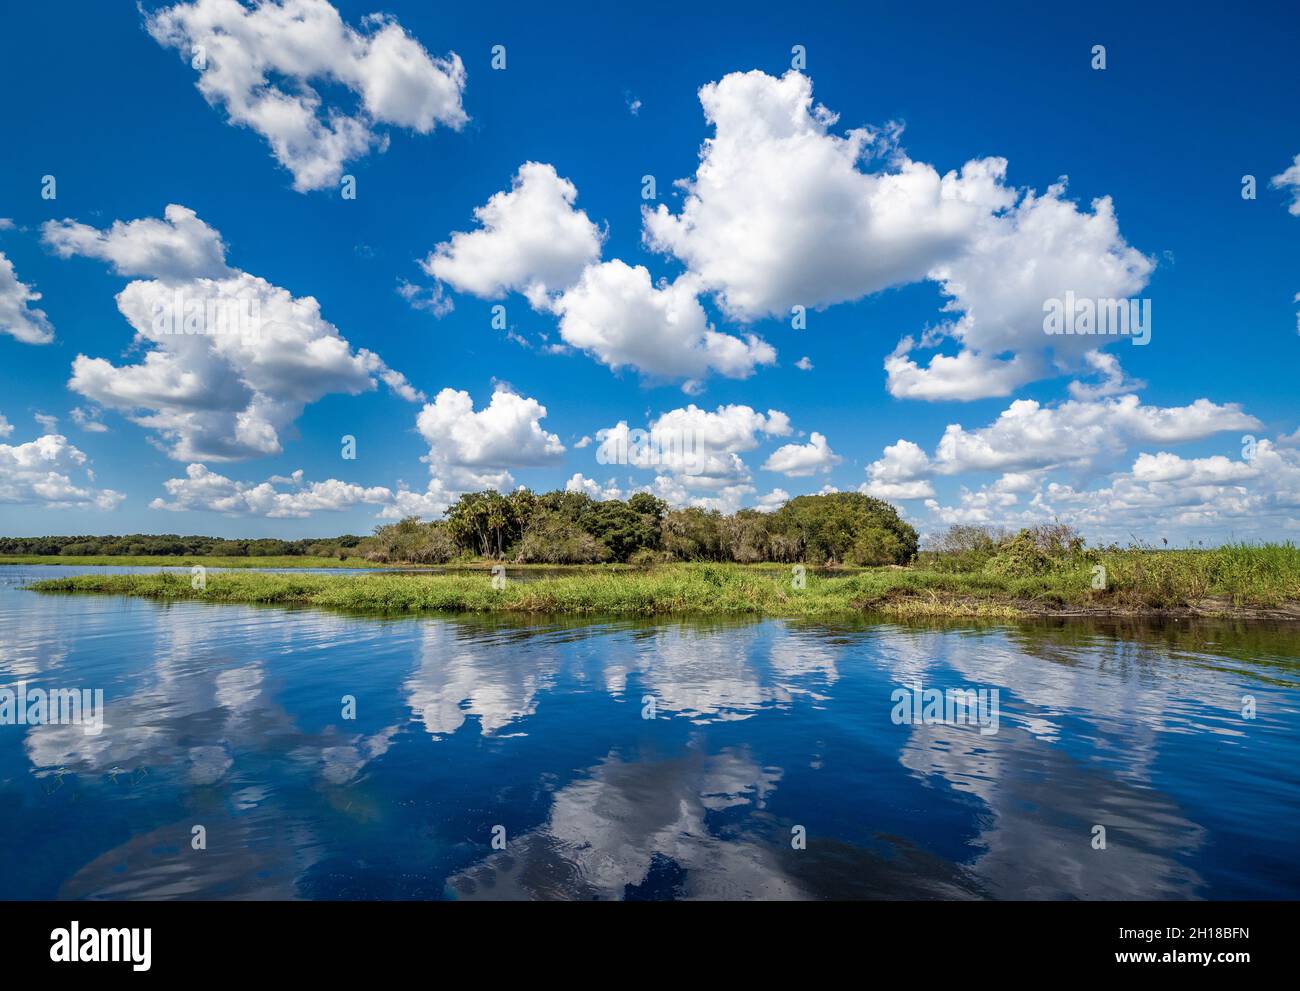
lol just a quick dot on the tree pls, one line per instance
(621, 528)
(746, 536)
(693, 534)
(831, 526)
(553, 539)
(484, 523)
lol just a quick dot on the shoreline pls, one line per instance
(695, 590)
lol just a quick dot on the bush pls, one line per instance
(1037, 551)
(964, 548)
(875, 547)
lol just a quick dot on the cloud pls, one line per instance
(40, 472)
(88, 420)
(18, 318)
(471, 449)
(695, 452)
(475, 449)
(232, 360)
(779, 213)
(618, 316)
(900, 474)
(966, 375)
(1162, 494)
(1028, 440)
(204, 490)
(803, 460)
(1215, 470)
(430, 503)
(723, 498)
(259, 64)
(601, 493)
(994, 503)
(1075, 433)
(429, 299)
(803, 364)
(1113, 380)
(178, 248)
(531, 240)
(782, 212)
(1159, 493)
(1290, 180)
(1042, 249)
(702, 447)
(6, 428)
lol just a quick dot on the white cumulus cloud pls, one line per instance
(231, 360)
(470, 449)
(803, 460)
(616, 314)
(18, 318)
(783, 211)
(277, 498)
(263, 62)
(530, 240)
(1290, 180)
(41, 472)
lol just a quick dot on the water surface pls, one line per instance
(230, 717)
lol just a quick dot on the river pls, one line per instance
(488, 757)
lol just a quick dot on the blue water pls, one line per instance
(230, 718)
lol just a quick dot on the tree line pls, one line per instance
(563, 527)
(175, 545)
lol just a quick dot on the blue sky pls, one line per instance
(870, 237)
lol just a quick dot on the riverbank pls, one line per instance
(1145, 586)
(472, 565)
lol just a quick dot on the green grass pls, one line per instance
(287, 561)
(1226, 581)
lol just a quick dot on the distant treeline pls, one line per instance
(567, 528)
(172, 545)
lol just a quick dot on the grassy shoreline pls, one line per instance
(292, 561)
(1137, 584)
